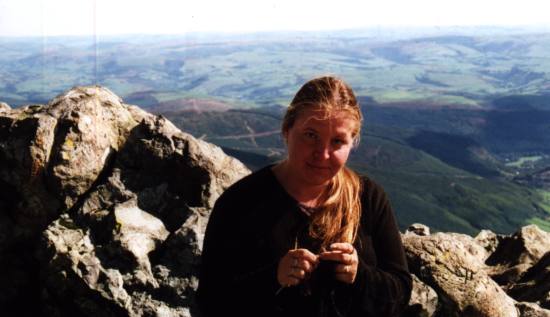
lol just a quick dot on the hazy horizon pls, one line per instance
(49, 18)
(387, 32)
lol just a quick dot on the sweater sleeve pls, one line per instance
(237, 274)
(383, 285)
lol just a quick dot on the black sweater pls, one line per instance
(255, 222)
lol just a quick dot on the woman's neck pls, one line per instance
(304, 193)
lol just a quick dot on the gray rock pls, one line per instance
(423, 302)
(516, 253)
(447, 265)
(156, 150)
(4, 107)
(136, 232)
(534, 285)
(419, 229)
(531, 310)
(472, 245)
(113, 201)
(488, 240)
(92, 124)
(73, 269)
(26, 139)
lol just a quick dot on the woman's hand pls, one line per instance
(295, 266)
(346, 256)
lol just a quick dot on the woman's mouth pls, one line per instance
(317, 167)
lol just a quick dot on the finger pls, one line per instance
(344, 258)
(297, 273)
(346, 273)
(343, 247)
(291, 280)
(286, 275)
(304, 254)
(343, 269)
(304, 265)
(330, 255)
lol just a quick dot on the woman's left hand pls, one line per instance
(346, 256)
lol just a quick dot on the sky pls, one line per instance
(110, 17)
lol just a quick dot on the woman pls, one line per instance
(306, 236)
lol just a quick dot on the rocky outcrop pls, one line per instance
(534, 284)
(456, 273)
(531, 310)
(467, 273)
(4, 107)
(515, 254)
(424, 300)
(102, 208)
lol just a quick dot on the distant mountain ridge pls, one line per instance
(458, 68)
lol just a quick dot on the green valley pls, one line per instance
(456, 120)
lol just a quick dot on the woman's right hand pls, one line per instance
(295, 265)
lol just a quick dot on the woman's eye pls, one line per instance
(310, 135)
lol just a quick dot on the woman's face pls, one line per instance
(319, 145)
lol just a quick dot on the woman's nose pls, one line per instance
(322, 151)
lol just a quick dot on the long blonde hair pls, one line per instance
(340, 213)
